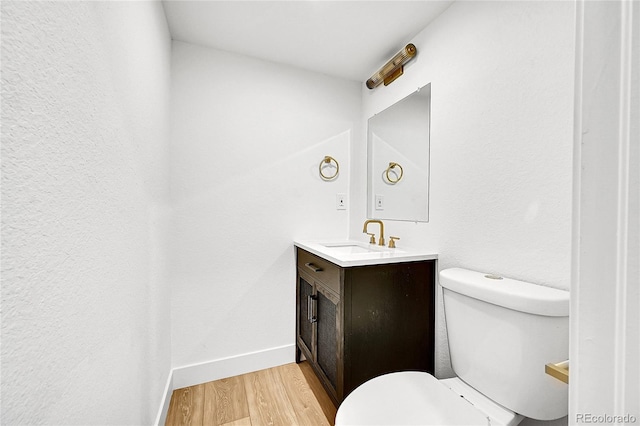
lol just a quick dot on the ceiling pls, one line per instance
(346, 39)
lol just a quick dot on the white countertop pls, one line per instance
(348, 253)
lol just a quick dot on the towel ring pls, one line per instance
(327, 160)
(393, 165)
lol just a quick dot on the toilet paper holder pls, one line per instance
(558, 370)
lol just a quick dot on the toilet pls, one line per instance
(501, 334)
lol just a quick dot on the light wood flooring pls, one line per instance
(288, 395)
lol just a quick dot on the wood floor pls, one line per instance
(288, 395)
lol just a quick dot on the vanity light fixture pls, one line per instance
(394, 68)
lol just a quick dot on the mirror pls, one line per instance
(398, 159)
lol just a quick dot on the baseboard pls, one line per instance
(232, 366)
(194, 374)
(161, 418)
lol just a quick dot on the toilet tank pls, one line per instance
(501, 334)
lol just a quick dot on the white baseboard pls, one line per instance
(194, 374)
(232, 366)
(161, 418)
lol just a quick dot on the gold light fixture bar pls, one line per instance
(394, 68)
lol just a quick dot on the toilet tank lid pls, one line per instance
(509, 293)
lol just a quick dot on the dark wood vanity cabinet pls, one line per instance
(356, 323)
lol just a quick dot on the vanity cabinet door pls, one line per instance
(319, 320)
(327, 353)
(306, 315)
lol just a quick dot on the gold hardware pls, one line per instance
(327, 160)
(394, 68)
(364, 230)
(393, 165)
(393, 76)
(392, 242)
(560, 370)
(372, 240)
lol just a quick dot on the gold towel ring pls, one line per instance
(327, 160)
(392, 165)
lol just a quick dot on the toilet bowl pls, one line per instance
(501, 334)
(417, 398)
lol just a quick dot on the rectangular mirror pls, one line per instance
(398, 159)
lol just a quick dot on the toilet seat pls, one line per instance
(411, 398)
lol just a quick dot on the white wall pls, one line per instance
(247, 139)
(501, 77)
(85, 299)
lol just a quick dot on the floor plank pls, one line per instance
(326, 404)
(187, 406)
(304, 402)
(287, 395)
(267, 399)
(240, 422)
(225, 401)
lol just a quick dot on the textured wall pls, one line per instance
(502, 76)
(85, 301)
(248, 136)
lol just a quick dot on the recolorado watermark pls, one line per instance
(588, 418)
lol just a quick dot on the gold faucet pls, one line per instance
(364, 230)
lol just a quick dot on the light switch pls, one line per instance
(341, 201)
(379, 202)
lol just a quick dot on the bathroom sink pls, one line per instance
(349, 249)
(354, 247)
(348, 253)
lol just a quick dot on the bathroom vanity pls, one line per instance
(363, 311)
